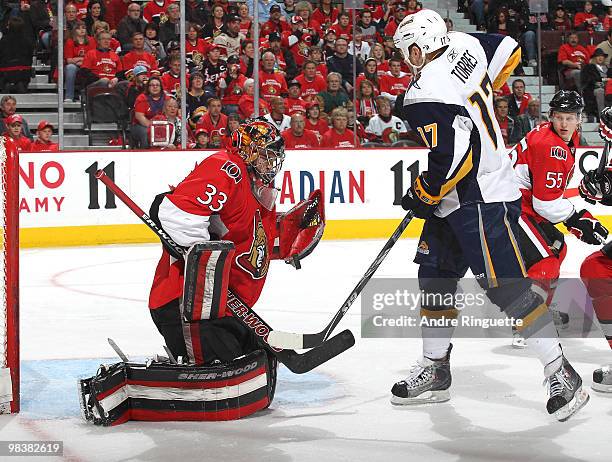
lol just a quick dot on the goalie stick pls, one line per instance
(295, 362)
(299, 341)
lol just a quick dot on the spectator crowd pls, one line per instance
(322, 82)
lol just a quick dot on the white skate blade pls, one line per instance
(600, 387)
(438, 396)
(580, 399)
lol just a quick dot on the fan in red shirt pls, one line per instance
(214, 122)
(572, 57)
(196, 49)
(155, 10)
(315, 54)
(81, 8)
(14, 130)
(311, 83)
(271, 83)
(314, 122)
(325, 14)
(343, 28)
(172, 78)
(294, 103)
(299, 39)
(297, 137)
(231, 84)
(586, 20)
(43, 142)
(246, 103)
(339, 136)
(399, 13)
(103, 63)
(395, 82)
(274, 24)
(137, 56)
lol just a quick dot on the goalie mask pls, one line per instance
(261, 146)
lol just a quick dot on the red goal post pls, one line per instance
(9, 277)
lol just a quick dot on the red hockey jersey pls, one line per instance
(215, 202)
(544, 164)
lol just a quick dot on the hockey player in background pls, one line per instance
(471, 204)
(544, 163)
(596, 270)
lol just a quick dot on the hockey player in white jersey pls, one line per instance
(471, 203)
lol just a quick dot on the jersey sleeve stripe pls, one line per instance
(464, 167)
(506, 71)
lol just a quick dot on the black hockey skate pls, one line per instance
(428, 382)
(566, 395)
(602, 379)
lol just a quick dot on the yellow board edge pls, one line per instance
(68, 236)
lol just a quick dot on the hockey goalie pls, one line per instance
(223, 213)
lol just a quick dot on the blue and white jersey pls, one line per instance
(450, 104)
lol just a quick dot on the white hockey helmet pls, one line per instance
(425, 29)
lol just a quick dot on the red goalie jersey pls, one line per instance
(544, 164)
(215, 202)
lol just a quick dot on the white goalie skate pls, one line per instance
(602, 379)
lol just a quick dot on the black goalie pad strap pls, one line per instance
(207, 267)
(159, 391)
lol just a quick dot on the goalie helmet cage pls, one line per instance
(9, 277)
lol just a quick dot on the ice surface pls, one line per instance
(72, 299)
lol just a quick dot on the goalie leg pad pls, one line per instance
(207, 267)
(160, 391)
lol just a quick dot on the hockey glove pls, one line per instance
(605, 124)
(594, 188)
(586, 227)
(417, 199)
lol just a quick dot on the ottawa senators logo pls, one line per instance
(557, 152)
(257, 260)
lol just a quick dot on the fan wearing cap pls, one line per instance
(43, 142)
(594, 77)
(229, 40)
(285, 61)
(399, 13)
(140, 77)
(299, 39)
(276, 23)
(294, 103)
(231, 85)
(137, 56)
(14, 130)
(201, 138)
(310, 82)
(212, 70)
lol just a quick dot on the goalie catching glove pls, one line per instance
(586, 227)
(300, 229)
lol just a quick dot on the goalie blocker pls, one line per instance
(161, 391)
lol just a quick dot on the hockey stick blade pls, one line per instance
(295, 362)
(332, 347)
(295, 341)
